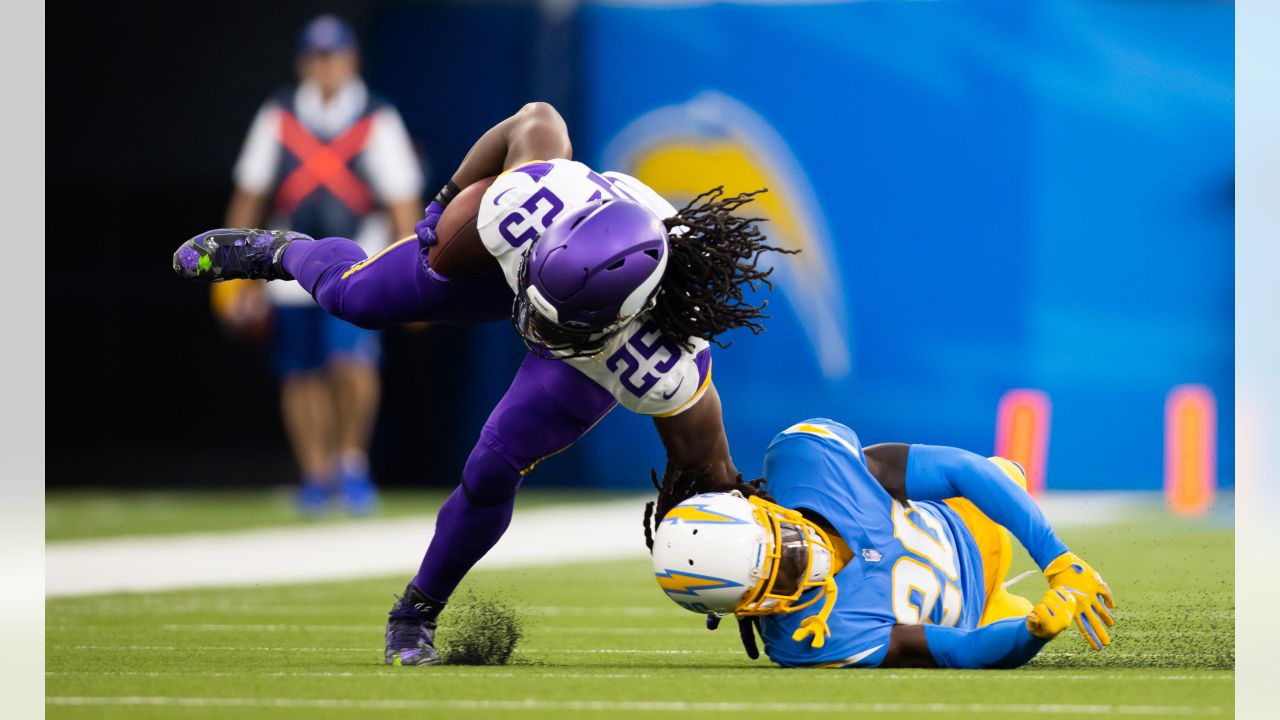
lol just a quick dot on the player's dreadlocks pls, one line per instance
(679, 485)
(711, 263)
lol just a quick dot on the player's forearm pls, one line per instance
(937, 473)
(247, 209)
(695, 440)
(536, 132)
(1000, 645)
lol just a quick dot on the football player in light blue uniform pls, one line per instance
(889, 556)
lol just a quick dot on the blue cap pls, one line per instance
(325, 34)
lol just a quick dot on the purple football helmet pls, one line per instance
(590, 272)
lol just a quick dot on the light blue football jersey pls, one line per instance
(911, 565)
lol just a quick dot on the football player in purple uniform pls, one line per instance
(618, 296)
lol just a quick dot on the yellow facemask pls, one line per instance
(789, 567)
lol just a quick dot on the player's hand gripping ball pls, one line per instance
(1053, 615)
(426, 227)
(455, 248)
(1069, 572)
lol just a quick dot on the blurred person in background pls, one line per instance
(325, 157)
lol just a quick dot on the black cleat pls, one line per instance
(235, 254)
(411, 630)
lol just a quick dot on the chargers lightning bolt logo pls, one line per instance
(712, 139)
(694, 513)
(675, 582)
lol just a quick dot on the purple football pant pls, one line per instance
(547, 408)
(394, 286)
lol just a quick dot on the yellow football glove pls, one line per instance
(1093, 597)
(1053, 614)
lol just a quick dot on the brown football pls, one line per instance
(459, 253)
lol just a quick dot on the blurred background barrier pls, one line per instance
(990, 196)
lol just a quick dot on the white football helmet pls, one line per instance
(722, 553)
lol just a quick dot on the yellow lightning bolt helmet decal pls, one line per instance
(675, 582)
(695, 513)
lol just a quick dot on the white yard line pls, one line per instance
(416, 675)
(213, 648)
(487, 674)
(548, 536)
(379, 629)
(641, 706)
(538, 628)
(155, 604)
(368, 650)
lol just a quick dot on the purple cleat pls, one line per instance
(411, 630)
(235, 254)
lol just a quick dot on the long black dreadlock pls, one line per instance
(712, 261)
(680, 485)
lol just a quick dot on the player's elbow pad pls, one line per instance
(1000, 645)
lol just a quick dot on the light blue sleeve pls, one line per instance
(1000, 645)
(938, 473)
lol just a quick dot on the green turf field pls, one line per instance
(87, 514)
(601, 641)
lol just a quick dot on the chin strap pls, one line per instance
(816, 625)
(748, 626)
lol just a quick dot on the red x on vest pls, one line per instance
(323, 164)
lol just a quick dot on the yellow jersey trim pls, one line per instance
(821, 431)
(517, 167)
(364, 263)
(702, 389)
(1015, 474)
(534, 464)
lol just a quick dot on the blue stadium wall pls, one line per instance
(989, 195)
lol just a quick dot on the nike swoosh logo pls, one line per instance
(499, 197)
(861, 656)
(668, 396)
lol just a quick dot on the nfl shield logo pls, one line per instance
(871, 555)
